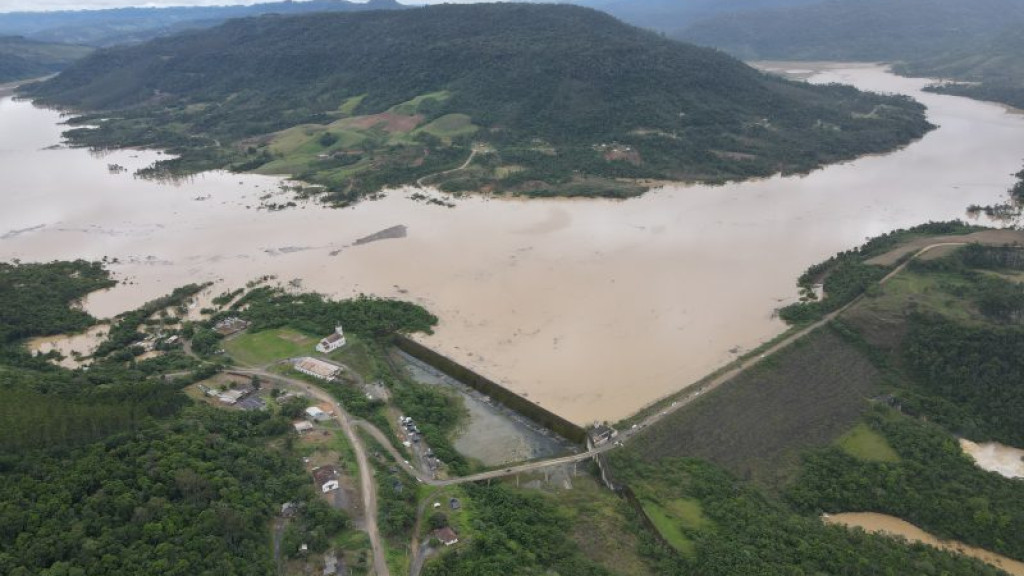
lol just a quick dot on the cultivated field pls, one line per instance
(757, 425)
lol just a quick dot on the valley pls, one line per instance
(369, 289)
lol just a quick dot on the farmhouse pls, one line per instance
(447, 536)
(315, 414)
(317, 368)
(302, 426)
(332, 342)
(326, 477)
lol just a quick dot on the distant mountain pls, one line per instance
(672, 16)
(992, 71)
(127, 25)
(978, 41)
(21, 58)
(559, 99)
(858, 29)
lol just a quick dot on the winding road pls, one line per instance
(472, 154)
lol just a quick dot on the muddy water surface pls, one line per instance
(881, 523)
(74, 348)
(591, 308)
(995, 457)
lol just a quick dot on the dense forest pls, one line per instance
(21, 58)
(737, 529)
(371, 317)
(561, 95)
(517, 533)
(113, 470)
(932, 484)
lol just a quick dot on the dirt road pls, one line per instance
(366, 480)
(465, 165)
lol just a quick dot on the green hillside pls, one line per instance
(559, 99)
(994, 71)
(21, 58)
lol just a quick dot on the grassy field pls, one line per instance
(261, 348)
(865, 444)
(881, 317)
(358, 356)
(450, 126)
(669, 529)
(676, 517)
(757, 424)
(602, 527)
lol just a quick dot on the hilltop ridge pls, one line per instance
(561, 99)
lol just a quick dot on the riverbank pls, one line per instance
(891, 526)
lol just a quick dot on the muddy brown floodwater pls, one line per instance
(995, 457)
(890, 525)
(592, 308)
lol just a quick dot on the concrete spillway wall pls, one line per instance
(499, 393)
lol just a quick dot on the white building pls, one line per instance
(316, 414)
(302, 426)
(332, 342)
(317, 368)
(326, 477)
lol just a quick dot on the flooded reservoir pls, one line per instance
(591, 308)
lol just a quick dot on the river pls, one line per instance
(890, 525)
(592, 308)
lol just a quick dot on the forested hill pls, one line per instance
(22, 58)
(992, 71)
(865, 30)
(136, 24)
(557, 91)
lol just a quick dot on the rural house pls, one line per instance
(447, 536)
(326, 477)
